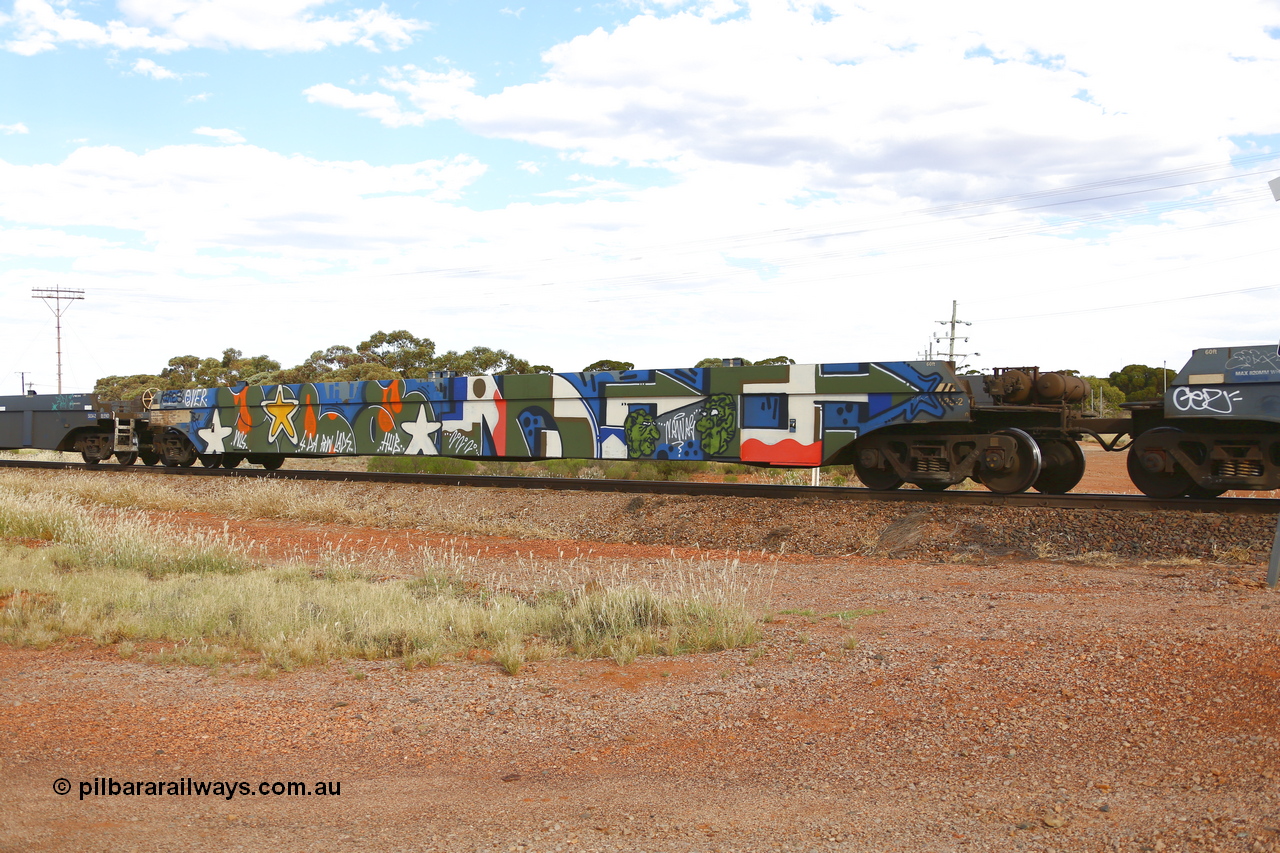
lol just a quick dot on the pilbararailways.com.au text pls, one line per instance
(188, 787)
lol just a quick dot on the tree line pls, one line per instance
(385, 355)
(392, 355)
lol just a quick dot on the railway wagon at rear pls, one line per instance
(1217, 428)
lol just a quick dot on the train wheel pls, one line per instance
(94, 453)
(272, 463)
(1062, 466)
(933, 487)
(210, 460)
(879, 479)
(1147, 465)
(1198, 491)
(148, 458)
(231, 460)
(126, 459)
(177, 452)
(1021, 470)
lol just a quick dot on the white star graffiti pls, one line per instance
(421, 431)
(215, 434)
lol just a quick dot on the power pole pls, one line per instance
(951, 337)
(58, 295)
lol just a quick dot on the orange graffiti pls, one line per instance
(244, 421)
(391, 397)
(308, 417)
(500, 428)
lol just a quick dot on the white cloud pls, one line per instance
(432, 96)
(377, 105)
(784, 142)
(234, 197)
(327, 251)
(589, 187)
(156, 72)
(39, 27)
(965, 99)
(222, 134)
(169, 25)
(290, 25)
(48, 243)
(10, 129)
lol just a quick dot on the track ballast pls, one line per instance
(1132, 503)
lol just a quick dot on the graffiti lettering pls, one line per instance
(339, 443)
(195, 398)
(1254, 358)
(679, 428)
(240, 441)
(391, 444)
(461, 445)
(1217, 401)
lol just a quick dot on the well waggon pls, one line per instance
(895, 422)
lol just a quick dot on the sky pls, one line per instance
(654, 182)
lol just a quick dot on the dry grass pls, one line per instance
(116, 577)
(40, 456)
(115, 539)
(324, 503)
(293, 616)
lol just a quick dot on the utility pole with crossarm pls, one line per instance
(58, 295)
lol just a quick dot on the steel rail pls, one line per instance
(1133, 503)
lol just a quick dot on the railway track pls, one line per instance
(1134, 503)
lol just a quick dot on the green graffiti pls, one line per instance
(717, 425)
(642, 434)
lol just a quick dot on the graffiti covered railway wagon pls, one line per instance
(895, 422)
(800, 415)
(774, 415)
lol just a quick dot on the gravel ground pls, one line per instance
(928, 681)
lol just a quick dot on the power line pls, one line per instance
(57, 294)
(953, 337)
(1141, 304)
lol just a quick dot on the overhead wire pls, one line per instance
(1144, 303)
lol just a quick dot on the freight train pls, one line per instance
(895, 422)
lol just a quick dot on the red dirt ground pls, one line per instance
(996, 704)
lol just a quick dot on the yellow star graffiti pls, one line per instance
(281, 412)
